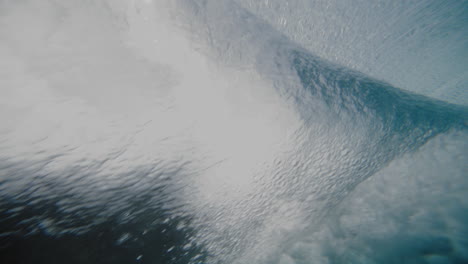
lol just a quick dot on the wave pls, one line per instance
(206, 132)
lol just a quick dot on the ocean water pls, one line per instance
(204, 131)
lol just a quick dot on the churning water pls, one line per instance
(217, 131)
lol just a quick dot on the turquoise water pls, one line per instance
(233, 132)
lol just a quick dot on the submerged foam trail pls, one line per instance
(200, 119)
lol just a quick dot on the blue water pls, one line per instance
(233, 132)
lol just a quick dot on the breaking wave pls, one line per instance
(233, 132)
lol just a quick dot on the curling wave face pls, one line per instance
(207, 132)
